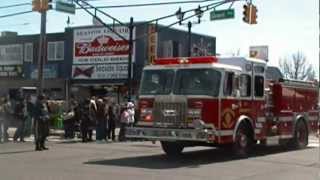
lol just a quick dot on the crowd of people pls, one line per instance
(24, 112)
(82, 118)
(101, 115)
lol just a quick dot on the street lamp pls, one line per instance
(179, 14)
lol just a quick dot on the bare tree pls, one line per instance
(297, 67)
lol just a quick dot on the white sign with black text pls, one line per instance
(100, 71)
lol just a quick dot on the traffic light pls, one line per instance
(246, 13)
(41, 5)
(36, 5)
(250, 14)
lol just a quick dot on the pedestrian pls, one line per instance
(21, 116)
(41, 113)
(2, 119)
(124, 122)
(101, 124)
(85, 120)
(131, 112)
(29, 117)
(92, 115)
(8, 113)
(111, 122)
(70, 120)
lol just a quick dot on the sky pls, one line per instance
(285, 26)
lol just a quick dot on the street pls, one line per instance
(144, 161)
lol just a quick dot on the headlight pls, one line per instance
(194, 113)
(146, 114)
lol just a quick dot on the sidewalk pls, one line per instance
(56, 135)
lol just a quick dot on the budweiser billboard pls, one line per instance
(100, 45)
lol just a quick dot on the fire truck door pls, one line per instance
(246, 103)
(258, 81)
(229, 102)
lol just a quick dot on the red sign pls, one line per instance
(102, 46)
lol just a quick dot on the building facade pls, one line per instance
(92, 60)
(19, 59)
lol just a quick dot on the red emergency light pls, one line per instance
(186, 60)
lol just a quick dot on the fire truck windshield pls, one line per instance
(181, 82)
(157, 82)
(197, 82)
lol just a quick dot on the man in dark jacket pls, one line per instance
(85, 120)
(41, 116)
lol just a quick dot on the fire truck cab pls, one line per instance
(218, 101)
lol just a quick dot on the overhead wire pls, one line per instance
(15, 14)
(14, 5)
(149, 4)
(214, 5)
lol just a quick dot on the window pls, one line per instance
(259, 69)
(156, 82)
(245, 85)
(167, 49)
(228, 84)
(28, 52)
(258, 86)
(197, 82)
(56, 51)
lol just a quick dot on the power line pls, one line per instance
(148, 4)
(14, 5)
(15, 14)
(208, 7)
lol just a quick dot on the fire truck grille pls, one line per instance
(170, 114)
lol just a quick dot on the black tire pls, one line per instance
(301, 135)
(172, 149)
(243, 141)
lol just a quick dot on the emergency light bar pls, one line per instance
(186, 60)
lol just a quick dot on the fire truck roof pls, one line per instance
(231, 63)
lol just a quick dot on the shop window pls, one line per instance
(245, 85)
(28, 52)
(258, 86)
(56, 51)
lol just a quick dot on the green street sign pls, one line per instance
(222, 14)
(65, 7)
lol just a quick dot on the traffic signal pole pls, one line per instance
(42, 51)
(131, 26)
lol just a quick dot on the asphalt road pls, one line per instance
(146, 161)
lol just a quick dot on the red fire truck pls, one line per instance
(218, 101)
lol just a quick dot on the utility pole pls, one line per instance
(42, 51)
(130, 59)
(189, 38)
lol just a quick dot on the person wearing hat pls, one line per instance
(41, 116)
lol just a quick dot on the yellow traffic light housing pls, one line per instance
(36, 5)
(41, 5)
(254, 15)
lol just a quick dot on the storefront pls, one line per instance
(100, 62)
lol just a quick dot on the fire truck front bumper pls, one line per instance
(200, 135)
